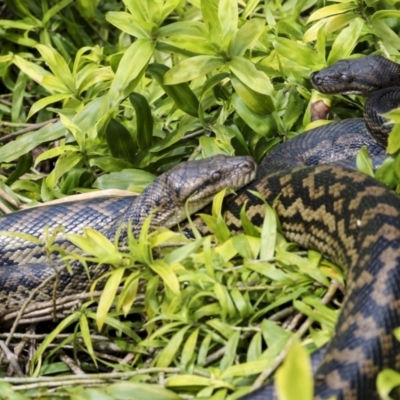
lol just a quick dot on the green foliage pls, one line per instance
(138, 86)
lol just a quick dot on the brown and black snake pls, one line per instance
(349, 217)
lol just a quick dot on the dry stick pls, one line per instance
(70, 363)
(26, 302)
(38, 307)
(11, 358)
(17, 352)
(30, 128)
(102, 376)
(302, 330)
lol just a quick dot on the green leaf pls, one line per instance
(54, 10)
(131, 66)
(108, 295)
(85, 331)
(29, 141)
(58, 66)
(34, 71)
(144, 121)
(328, 11)
(230, 353)
(296, 52)
(247, 72)
(295, 375)
(189, 348)
(181, 94)
(40, 104)
(139, 391)
(65, 163)
(192, 68)
(167, 274)
(168, 354)
(268, 234)
(381, 14)
(125, 179)
(228, 17)
(387, 380)
(209, 11)
(120, 141)
(346, 41)
(332, 24)
(258, 102)
(260, 124)
(24, 164)
(364, 163)
(247, 36)
(127, 23)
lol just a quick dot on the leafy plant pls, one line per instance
(109, 94)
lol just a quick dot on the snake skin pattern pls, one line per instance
(351, 219)
(24, 265)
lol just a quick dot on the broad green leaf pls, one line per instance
(167, 8)
(189, 349)
(144, 121)
(54, 10)
(231, 349)
(24, 164)
(131, 65)
(228, 18)
(296, 52)
(29, 141)
(87, 8)
(328, 11)
(393, 140)
(247, 36)
(387, 380)
(58, 66)
(191, 29)
(127, 23)
(108, 295)
(167, 274)
(295, 375)
(85, 331)
(381, 14)
(138, 8)
(346, 41)
(363, 162)
(40, 104)
(192, 68)
(209, 10)
(139, 391)
(268, 234)
(64, 164)
(246, 369)
(170, 351)
(332, 25)
(124, 179)
(34, 71)
(258, 102)
(247, 72)
(196, 380)
(120, 141)
(181, 94)
(261, 125)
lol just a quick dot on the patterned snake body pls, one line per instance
(351, 218)
(24, 265)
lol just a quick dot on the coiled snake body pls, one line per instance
(348, 216)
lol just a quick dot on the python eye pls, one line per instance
(216, 176)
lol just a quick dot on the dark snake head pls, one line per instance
(195, 183)
(357, 76)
